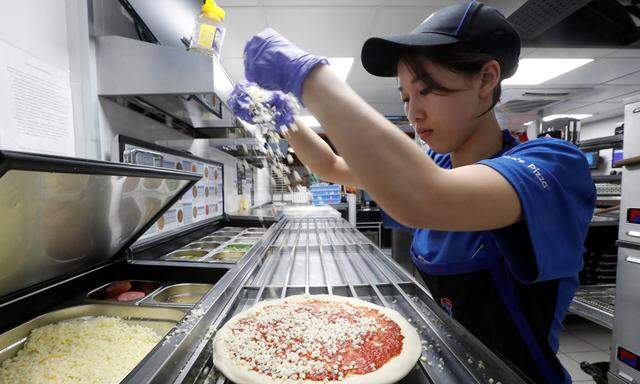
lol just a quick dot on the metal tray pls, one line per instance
(164, 296)
(329, 256)
(255, 230)
(202, 245)
(243, 244)
(220, 239)
(161, 320)
(99, 294)
(246, 240)
(227, 233)
(595, 303)
(183, 255)
(226, 257)
(233, 229)
(252, 234)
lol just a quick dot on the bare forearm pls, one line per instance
(405, 182)
(318, 156)
(383, 158)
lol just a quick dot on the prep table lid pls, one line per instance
(60, 216)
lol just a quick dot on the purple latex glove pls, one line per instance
(273, 62)
(265, 107)
(241, 104)
(285, 109)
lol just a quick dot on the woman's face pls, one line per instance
(443, 120)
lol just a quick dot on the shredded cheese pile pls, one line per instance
(313, 340)
(101, 350)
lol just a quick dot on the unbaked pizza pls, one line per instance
(314, 339)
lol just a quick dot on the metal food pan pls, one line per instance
(186, 255)
(229, 247)
(226, 233)
(247, 240)
(172, 294)
(225, 257)
(146, 286)
(202, 245)
(220, 239)
(255, 230)
(250, 236)
(189, 247)
(161, 320)
(234, 229)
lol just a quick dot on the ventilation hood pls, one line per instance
(533, 99)
(184, 90)
(575, 23)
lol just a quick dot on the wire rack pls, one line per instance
(328, 256)
(595, 303)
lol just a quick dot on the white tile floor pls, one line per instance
(582, 340)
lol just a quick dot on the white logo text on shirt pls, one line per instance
(534, 169)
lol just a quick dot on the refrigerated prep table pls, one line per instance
(309, 253)
(68, 234)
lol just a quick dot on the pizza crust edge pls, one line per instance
(393, 371)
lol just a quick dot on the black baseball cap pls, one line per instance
(471, 22)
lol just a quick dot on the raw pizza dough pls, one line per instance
(249, 342)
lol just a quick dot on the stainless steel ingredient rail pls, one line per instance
(327, 256)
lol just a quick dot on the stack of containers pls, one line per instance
(301, 196)
(324, 193)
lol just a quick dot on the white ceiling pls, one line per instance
(338, 28)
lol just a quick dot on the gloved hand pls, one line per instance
(273, 62)
(259, 106)
(242, 105)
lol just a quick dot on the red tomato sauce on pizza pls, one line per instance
(316, 340)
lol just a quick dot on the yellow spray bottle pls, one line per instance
(208, 32)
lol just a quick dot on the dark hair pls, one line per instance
(459, 57)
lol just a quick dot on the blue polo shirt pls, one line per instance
(525, 274)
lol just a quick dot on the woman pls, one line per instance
(499, 225)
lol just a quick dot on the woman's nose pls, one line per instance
(414, 114)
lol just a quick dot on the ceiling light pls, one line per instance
(310, 121)
(560, 116)
(341, 66)
(536, 71)
(529, 122)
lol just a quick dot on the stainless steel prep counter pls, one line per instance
(321, 255)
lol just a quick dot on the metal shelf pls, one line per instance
(608, 200)
(604, 223)
(601, 142)
(606, 178)
(595, 303)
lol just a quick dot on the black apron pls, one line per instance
(513, 319)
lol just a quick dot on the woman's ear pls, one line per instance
(489, 78)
